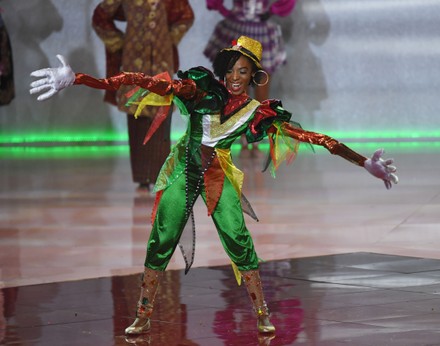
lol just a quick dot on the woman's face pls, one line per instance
(239, 76)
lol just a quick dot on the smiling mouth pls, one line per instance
(235, 86)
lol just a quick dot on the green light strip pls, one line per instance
(68, 137)
(102, 151)
(63, 137)
(63, 152)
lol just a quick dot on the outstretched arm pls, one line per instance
(375, 165)
(53, 80)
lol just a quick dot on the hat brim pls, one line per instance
(256, 62)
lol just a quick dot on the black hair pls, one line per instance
(226, 59)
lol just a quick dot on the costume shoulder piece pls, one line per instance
(268, 113)
(214, 94)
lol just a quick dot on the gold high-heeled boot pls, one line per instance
(253, 285)
(150, 283)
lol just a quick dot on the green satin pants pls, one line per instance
(171, 218)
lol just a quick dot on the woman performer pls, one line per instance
(219, 112)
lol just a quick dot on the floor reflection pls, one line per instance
(206, 307)
(344, 259)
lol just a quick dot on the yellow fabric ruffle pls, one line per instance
(153, 99)
(284, 149)
(236, 273)
(234, 175)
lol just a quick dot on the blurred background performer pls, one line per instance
(154, 28)
(7, 88)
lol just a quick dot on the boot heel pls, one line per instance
(264, 325)
(139, 326)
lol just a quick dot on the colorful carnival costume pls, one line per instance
(251, 18)
(149, 45)
(200, 164)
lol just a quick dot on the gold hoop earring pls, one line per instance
(260, 81)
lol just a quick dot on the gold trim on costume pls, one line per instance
(218, 128)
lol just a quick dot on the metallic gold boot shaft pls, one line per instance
(253, 285)
(150, 283)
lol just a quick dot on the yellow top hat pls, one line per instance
(248, 47)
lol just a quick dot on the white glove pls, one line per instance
(382, 169)
(54, 79)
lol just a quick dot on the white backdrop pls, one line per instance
(354, 66)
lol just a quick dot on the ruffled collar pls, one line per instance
(234, 104)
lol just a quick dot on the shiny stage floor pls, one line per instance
(347, 262)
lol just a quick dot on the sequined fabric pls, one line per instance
(254, 287)
(156, 85)
(331, 144)
(150, 283)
